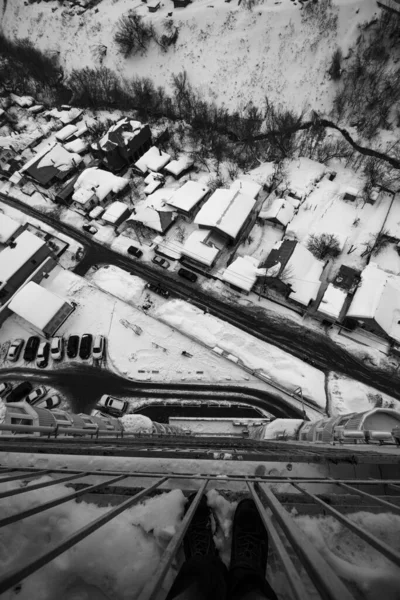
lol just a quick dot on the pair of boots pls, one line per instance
(204, 576)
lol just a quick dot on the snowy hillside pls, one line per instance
(236, 55)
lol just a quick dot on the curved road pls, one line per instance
(89, 383)
(268, 326)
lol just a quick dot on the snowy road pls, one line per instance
(87, 384)
(309, 345)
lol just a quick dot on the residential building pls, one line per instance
(19, 260)
(124, 143)
(95, 186)
(115, 214)
(8, 228)
(227, 213)
(247, 186)
(279, 213)
(42, 309)
(376, 303)
(242, 273)
(54, 163)
(176, 168)
(198, 249)
(332, 304)
(154, 212)
(293, 270)
(152, 160)
(188, 198)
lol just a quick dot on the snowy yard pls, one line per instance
(347, 395)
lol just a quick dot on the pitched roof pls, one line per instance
(12, 259)
(226, 211)
(101, 182)
(243, 272)
(36, 305)
(51, 161)
(120, 134)
(187, 196)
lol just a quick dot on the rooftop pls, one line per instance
(187, 196)
(13, 258)
(115, 211)
(332, 301)
(7, 228)
(101, 182)
(153, 160)
(226, 210)
(36, 305)
(195, 248)
(243, 272)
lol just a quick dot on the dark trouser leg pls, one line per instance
(246, 584)
(200, 578)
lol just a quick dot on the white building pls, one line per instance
(187, 198)
(179, 166)
(154, 212)
(198, 249)
(115, 214)
(247, 186)
(45, 311)
(8, 228)
(281, 212)
(242, 273)
(95, 186)
(332, 302)
(153, 160)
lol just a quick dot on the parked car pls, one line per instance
(161, 262)
(135, 251)
(5, 388)
(158, 289)
(57, 348)
(15, 350)
(37, 394)
(90, 229)
(31, 348)
(72, 346)
(20, 391)
(112, 405)
(42, 357)
(187, 275)
(49, 403)
(98, 347)
(85, 349)
(97, 413)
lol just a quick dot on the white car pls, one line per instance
(57, 348)
(15, 350)
(98, 347)
(113, 405)
(49, 403)
(37, 394)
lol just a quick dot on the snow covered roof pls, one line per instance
(20, 141)
(12, 259)
(226, 210)
(243, 272)
(78, 146)
(96, 212)
(52, 159)
(280, 211)
(7, 228)
(153, 181)
(65, 132)
(65, 116)
(115, 211)
(195, 248)
(121, 133)
(176, 167)
(246, 186)
(304, 272)
(101, 182)
(187, 196)
(153, 212)
(82, 195)
(153, 160)
(22, 101)
(332, 301)
(36, 305)
(392, 223)
(378, 298)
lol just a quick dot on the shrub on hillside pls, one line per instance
(96, 88)
(323, 245)
(335, 69)
(133, 35)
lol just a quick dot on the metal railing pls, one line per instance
(287, 539)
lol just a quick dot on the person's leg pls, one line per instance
(203, 576)
(249, 556)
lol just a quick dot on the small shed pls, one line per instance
(351, 193)
(181, 3)
(66, 132)
(153, 5)
(280, 213)
(332, 303)
(177, 167)
(116, 213)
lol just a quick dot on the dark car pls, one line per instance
(135, 251)
(20, 391)
(85, 349)
(31, 348)
(161, 262)
(72, 346)
(42, 357)
(158, 289)
(90, 229)
(187, 275)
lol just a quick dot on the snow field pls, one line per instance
(348, 395)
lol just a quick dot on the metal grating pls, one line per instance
(286, 537)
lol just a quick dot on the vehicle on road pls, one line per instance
(37, 394)
(98, 347)
(158, 289)
(85, 348)
(161, 262)
(15, 349)
(20, 391)
(49, 403)
(42, 357)
(112, 405)
(187, 275)
(90, 229)
(57, 348)
(5, 388)
(31, 348)
(135, 251)
(97, 413)
(72, 346)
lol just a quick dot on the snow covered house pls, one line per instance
(199, 249)
(188, 198)
(96, 187)
(293, 270)
(332, 304)
(242, 273)
(8, 228)
(246, 186)
(376, 303)
(65, 116)
(124, 143)
(51, 164)
(45, 311)
(280, 213)
(176, 168)
(154, 212)
(20, 260)
(66, 133)
(152, 160)
(115, 214)
(227, 213)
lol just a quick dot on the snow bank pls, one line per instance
(137, 424)
(113, 563)
(288, 371)
(347, 395)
